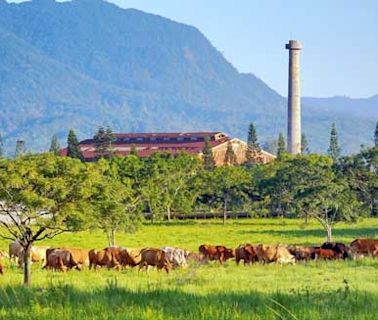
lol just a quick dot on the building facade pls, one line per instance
(193, 143)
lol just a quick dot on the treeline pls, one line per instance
(116, 194)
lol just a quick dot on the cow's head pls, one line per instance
(229, 253)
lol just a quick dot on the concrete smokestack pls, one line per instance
(294, 98)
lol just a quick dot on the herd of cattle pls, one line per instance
(168, 258)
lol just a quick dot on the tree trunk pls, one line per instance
(224, 211)
(169, 213)
(27, 264)
(374, 206)
(328, 228)
(112, 238)
(150, 210)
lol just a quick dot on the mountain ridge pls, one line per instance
(86, 63)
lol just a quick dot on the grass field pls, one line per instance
(314, 290)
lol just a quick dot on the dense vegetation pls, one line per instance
(87, 63)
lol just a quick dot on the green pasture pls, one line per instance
(313, 290)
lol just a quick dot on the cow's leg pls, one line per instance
(143, 265)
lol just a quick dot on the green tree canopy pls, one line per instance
(304, 145)
(208, 159)
(226, 188)
(42, 196)
(73, 148)
(115, 199)
(309, 185)
(253, 151)
(133, 150)
(103, 140)
(281, 145)
(334, 149)
(230, 156)
(20, 148)
(54, 146)
(361, 171)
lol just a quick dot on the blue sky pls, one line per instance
(340, 38)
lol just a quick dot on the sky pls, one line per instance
(339, 37)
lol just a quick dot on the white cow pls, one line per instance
(176, 256)
(14, 251)
(37, 254)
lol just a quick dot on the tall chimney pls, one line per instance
(294, 98)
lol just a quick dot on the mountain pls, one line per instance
(355, 119)
(86, 63)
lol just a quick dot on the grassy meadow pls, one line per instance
(313, 290)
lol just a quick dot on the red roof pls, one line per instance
(149, 143)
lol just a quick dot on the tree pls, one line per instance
(319, 192)
(277, 185)
(179, 171)
(42, 197)
(304, 145)
(376, 135)
(334, 149)
(253, 151)
(154, 175)
(208, 159)
(281, 146)
(226, 188)
(20, 148)
(1, 146)
(73, 148)
(103, 140)
(361, 172)
(115, 199)
(54, 146)
(230, 156)
(133, 150)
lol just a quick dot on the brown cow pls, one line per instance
(326, 254)
(219, 253)
(80, 257)
(245, 252)
(71, 258)
(266, 254)
(129, 257)
(156, 258)
(114, 251)
(59, 259)
(340, 249)
(360, 247)
(102, 258)
(56, 260)
(48, 252)
(92, 254)
(302, 253)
